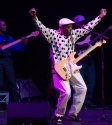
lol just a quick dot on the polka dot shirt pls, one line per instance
(62, 46)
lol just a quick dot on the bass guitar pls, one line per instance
(88, 41)
(19, 40)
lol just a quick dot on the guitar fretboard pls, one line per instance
(87, 52)
(15, 42)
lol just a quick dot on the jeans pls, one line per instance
(7, 70)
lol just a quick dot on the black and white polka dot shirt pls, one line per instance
(62, 46)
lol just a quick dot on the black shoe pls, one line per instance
(57, 119)
(74, 118)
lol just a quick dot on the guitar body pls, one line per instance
(66, 67)
(87, 40)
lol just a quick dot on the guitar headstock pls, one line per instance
(35, 33)
(100, 42)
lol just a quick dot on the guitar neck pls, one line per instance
(85, 53)
(15, 42)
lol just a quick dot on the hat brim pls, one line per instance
(66, 24)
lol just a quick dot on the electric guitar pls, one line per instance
(87, 40)
(66, 67)
(19, 40)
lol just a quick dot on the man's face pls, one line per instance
(3, 26)
(66, 29)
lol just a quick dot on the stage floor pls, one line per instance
(86, 115)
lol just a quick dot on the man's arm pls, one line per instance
(16, 47)
(46, 32)
(86, 29)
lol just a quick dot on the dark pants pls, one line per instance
(88, 74)
(7, 72)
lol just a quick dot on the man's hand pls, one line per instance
(103, 12)
(33, 13)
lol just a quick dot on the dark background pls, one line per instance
(34, 62)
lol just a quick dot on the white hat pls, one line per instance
(65, 21)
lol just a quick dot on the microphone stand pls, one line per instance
(103, 117)
(90, 30)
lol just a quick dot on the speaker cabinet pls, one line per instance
(28, 113)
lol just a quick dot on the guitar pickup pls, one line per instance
(64, 69)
